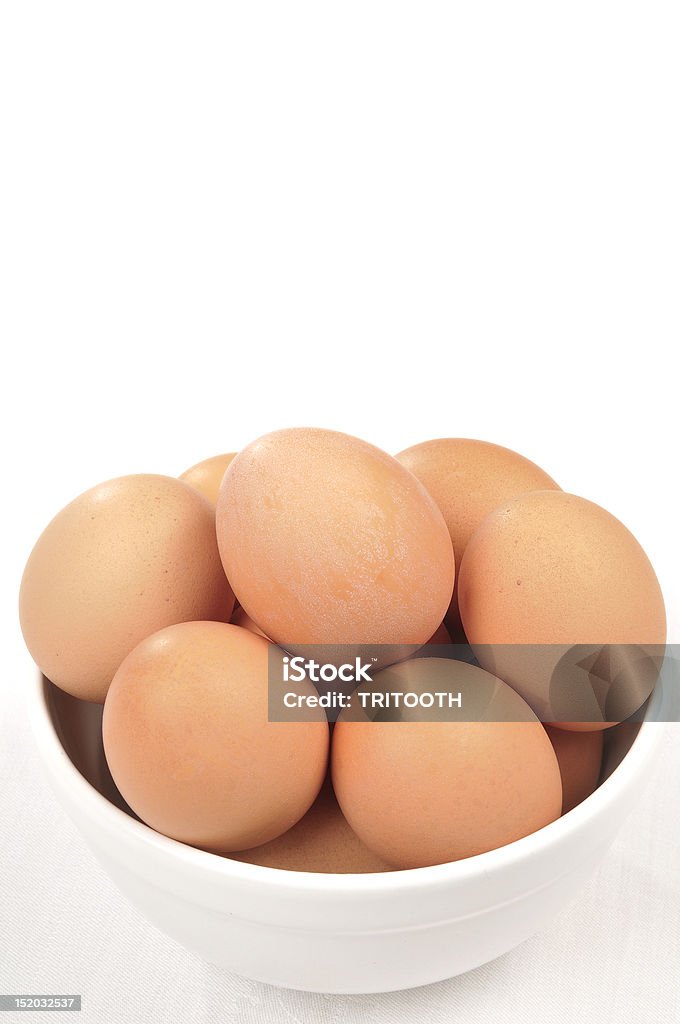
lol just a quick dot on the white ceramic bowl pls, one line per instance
(336, 933)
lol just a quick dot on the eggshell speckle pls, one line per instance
(328, 540)
(121, 561)
(190, 747)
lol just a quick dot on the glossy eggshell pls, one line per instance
(468, 479)
(328, 540)
(206, 476)
(190, 747)
(322, 841)
(121, 561)
(423, 792)
(579, 755)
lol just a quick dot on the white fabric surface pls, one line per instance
(612, 956)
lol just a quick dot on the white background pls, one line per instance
(402, 220)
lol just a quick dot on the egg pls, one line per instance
(121, 561)
(190, 747)
(328, 540)
(322, 841)
(420, 791)
(241, 618)
(549, 573)
(207, 476)
(579, 755)
(468, 479)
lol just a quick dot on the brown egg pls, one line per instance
(545, 576)
(190, 747)
(322, 841)
(124, 559)
(207, 476)
(241, 618)
(421, 792)
(579, 755)
(328, 540)
(468, 479)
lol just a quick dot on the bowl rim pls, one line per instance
(64, 775)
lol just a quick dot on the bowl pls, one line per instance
(337, 933)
